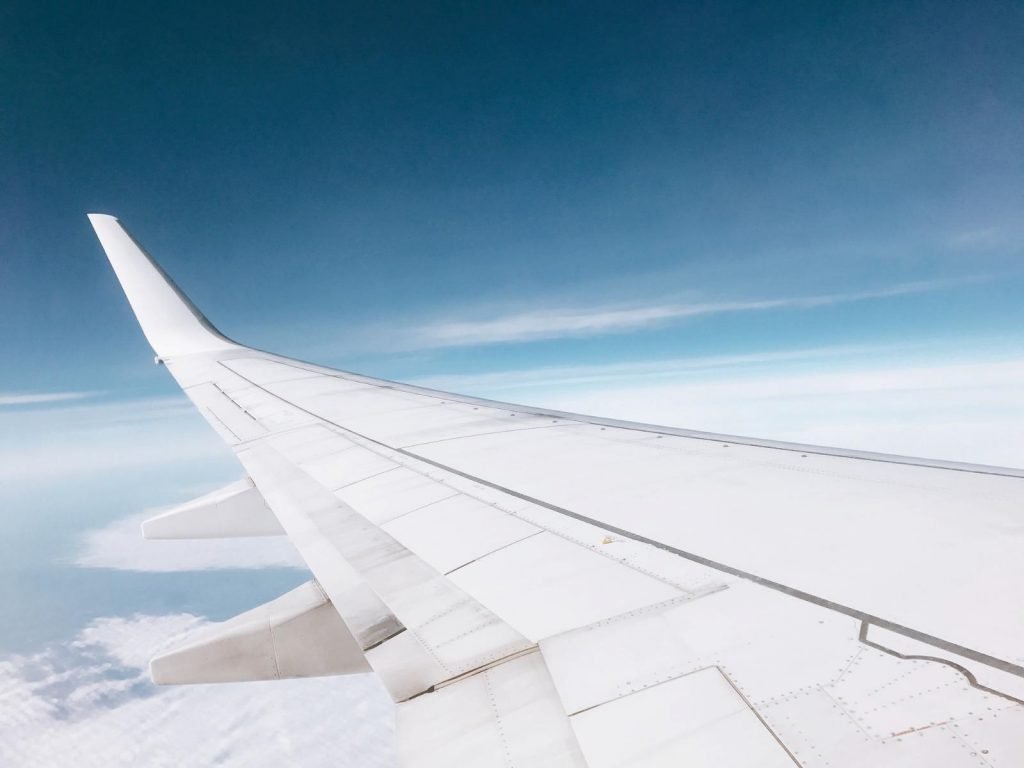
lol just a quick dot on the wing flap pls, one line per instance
(447, 633)
(698, 720)
(506, 716)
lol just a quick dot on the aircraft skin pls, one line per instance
(537, 588)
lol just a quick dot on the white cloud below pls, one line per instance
(88, 439)
(844, 397)
(89, 702)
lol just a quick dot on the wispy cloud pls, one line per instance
(552, 323)
(977, 239)
(89, 702)
(120, 546)
(8, 399)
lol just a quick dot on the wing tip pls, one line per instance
(170, 321)
(95, 217)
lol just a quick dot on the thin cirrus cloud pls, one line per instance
(554, 323)
(11, 399)
(88, 701)
(499, 383)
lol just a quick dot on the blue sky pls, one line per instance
(793, 220)
(310, 172)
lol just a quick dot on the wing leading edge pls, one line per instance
(539, 588)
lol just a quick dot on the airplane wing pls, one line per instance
(538, 588)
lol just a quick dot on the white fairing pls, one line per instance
(548, 589)
(235, 510)
(297, 635)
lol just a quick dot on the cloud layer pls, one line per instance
(849, 397)
(637, 372)
(85, 439)
(89, 702)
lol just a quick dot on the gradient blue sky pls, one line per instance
(310, 171)
(795, 220)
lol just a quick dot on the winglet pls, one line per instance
(172, 324)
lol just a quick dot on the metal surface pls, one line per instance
(718, 728)
(894, 516)
(235, 510)
(297, 635)
(508, 715)
(635, 594)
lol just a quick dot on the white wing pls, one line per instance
(548, 589)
